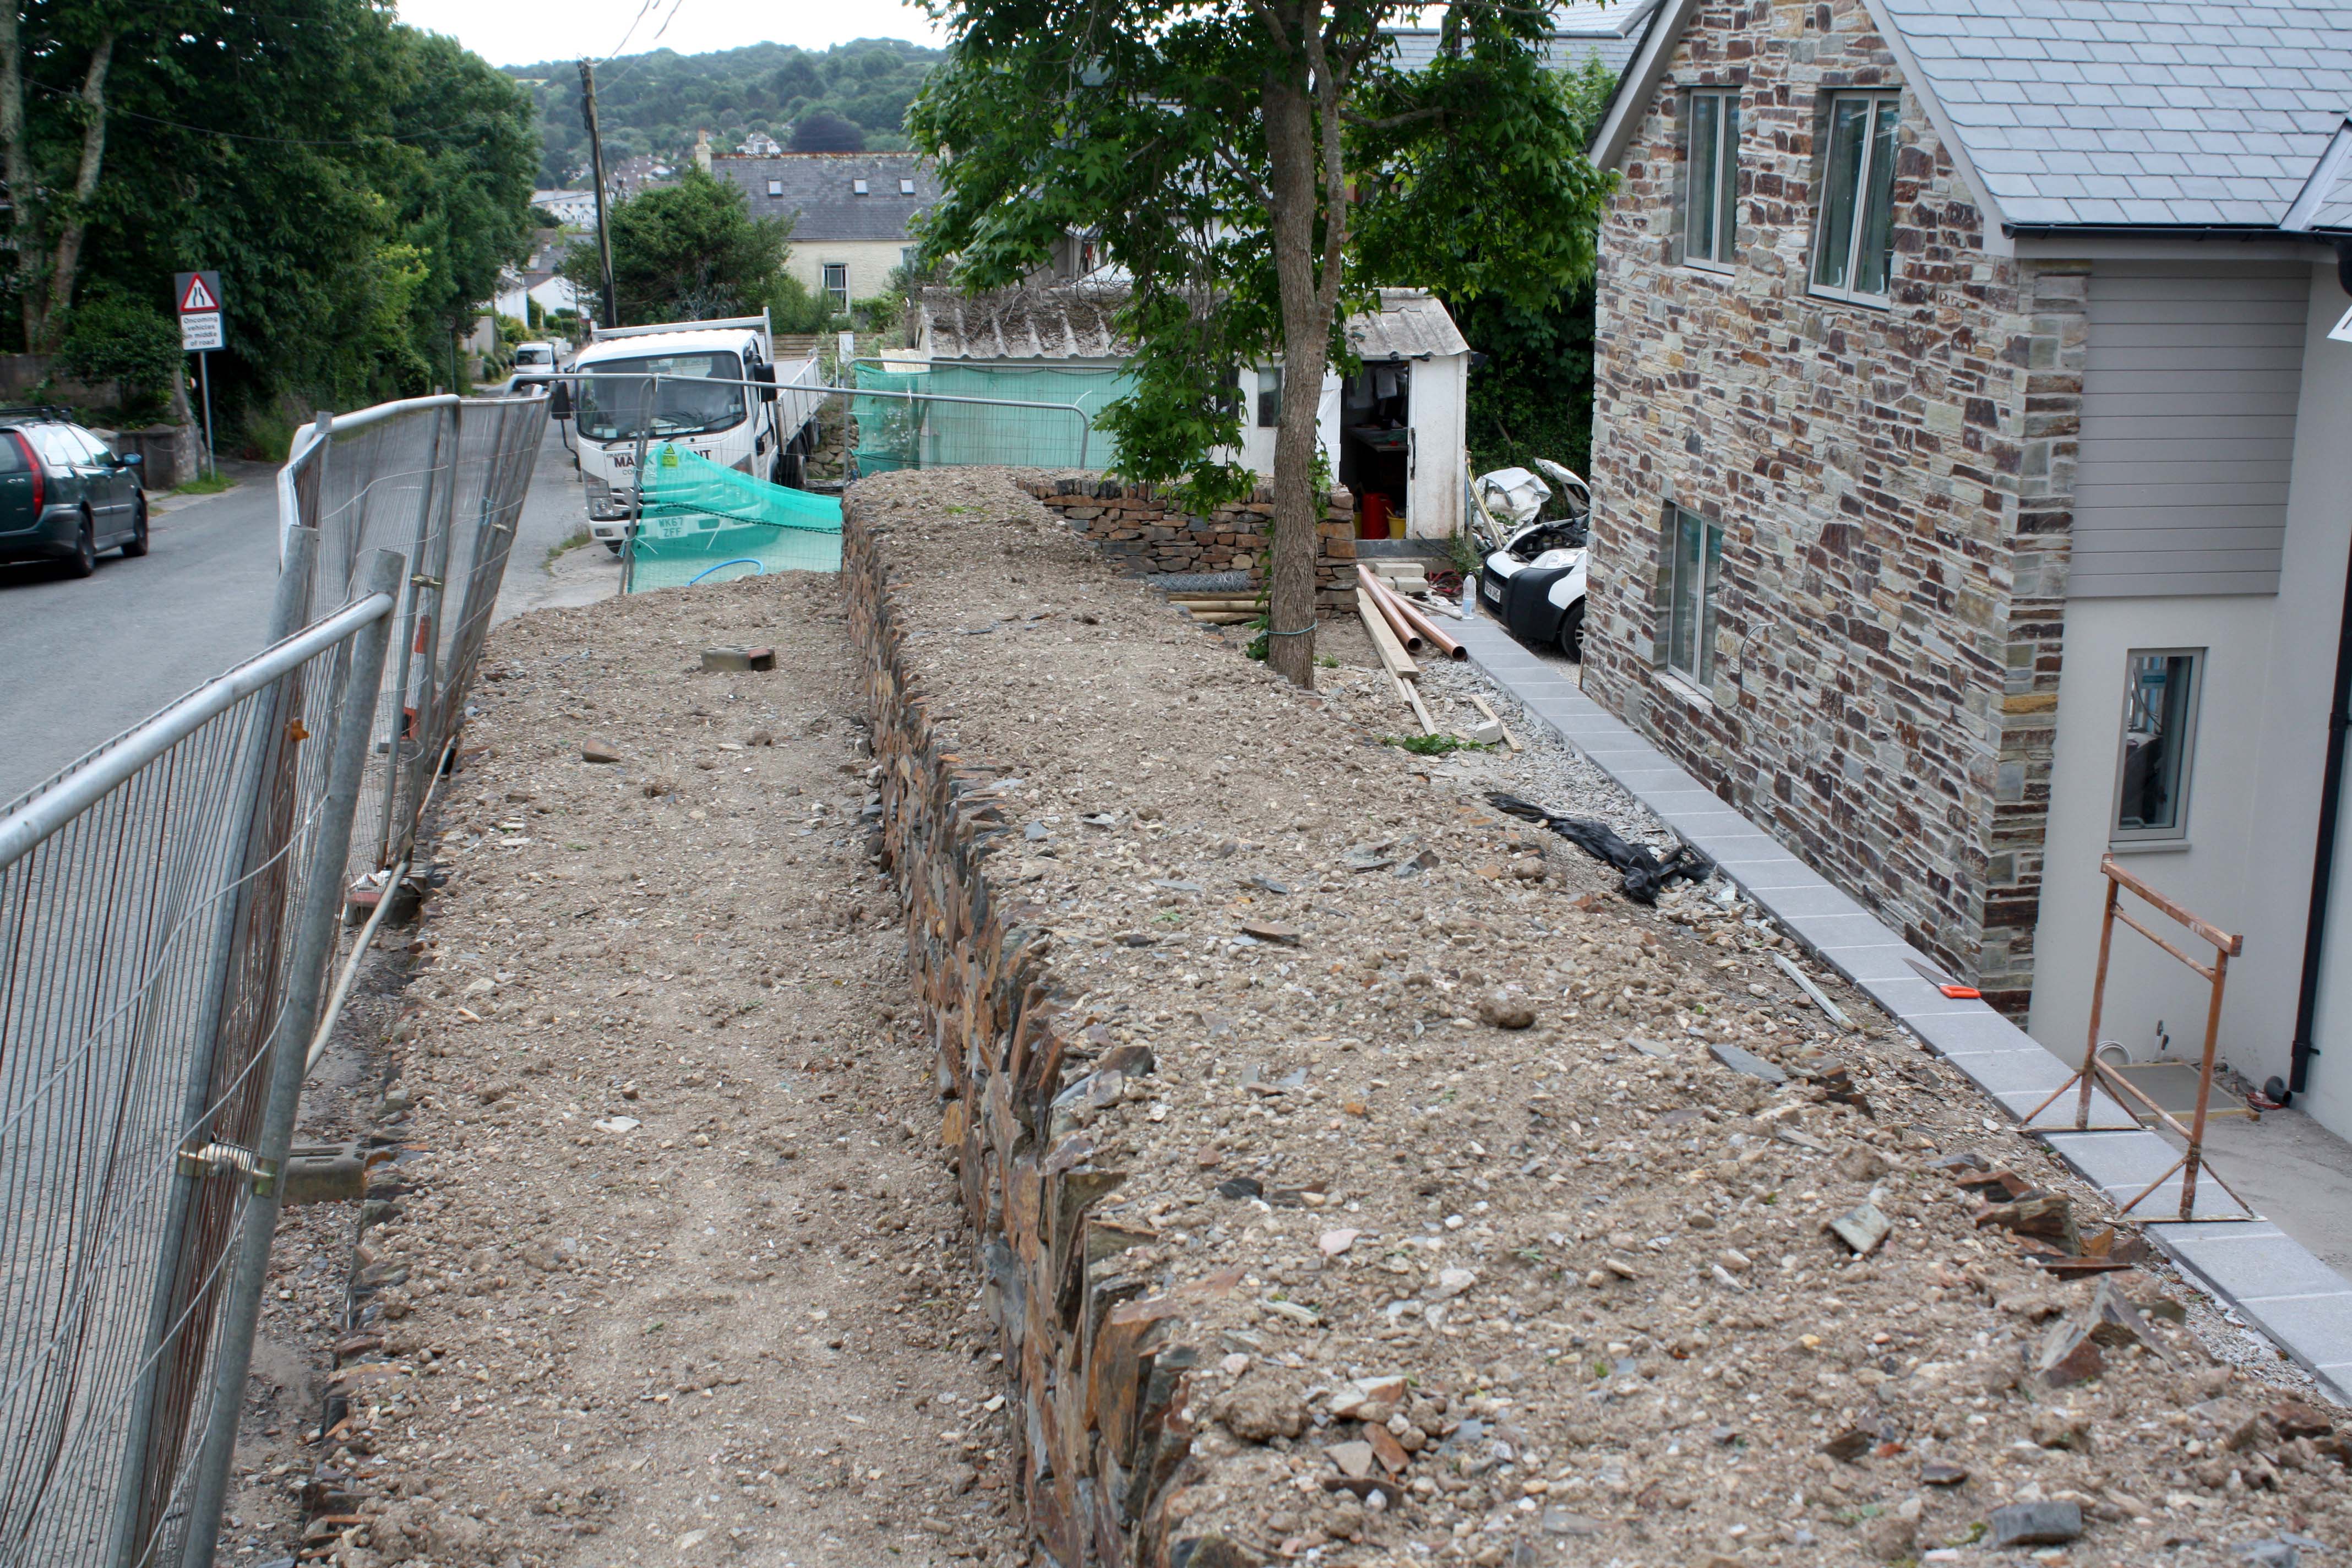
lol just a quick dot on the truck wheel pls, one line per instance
(1571, 632)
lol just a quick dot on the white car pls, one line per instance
(1534, 584)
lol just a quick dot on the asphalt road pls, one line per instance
(81, 661)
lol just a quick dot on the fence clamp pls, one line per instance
(228, 1160)
(419, 580)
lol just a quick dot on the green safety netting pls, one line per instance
(706, 521)
(909, 433)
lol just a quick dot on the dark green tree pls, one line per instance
(690, 251)
(1216, 147)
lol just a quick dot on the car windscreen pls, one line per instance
(616, 401)
(534, 356)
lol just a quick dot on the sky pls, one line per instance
(521, 32)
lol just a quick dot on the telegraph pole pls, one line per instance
(611, 311)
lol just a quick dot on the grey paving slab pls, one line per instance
(2121, 1164)
(1852, 928)
(1819, 900)
(1879, 961)
(1981, 1030)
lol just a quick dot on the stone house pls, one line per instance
(1971, 480)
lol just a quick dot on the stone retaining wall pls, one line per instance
(1146, 528)
(1096, 1362)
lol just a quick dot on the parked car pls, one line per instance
(1533, 578)
(532, 363)
(63, 495)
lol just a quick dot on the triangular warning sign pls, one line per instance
(198, 297)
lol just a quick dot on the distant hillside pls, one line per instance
(654, 103)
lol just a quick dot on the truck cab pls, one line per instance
(708, 387)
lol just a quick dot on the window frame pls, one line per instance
(1865, 175)
(1723, 193)
(1702, 598)
(775, 190)
(858, 188)
(837, 292)
(1268, 400)
(2177, 834)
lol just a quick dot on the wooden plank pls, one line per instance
(1420, 710)
(1820, 998)
(1392, 654)
(1482, 706)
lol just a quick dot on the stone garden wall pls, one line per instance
(1145, 528)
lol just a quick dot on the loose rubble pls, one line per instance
(660, 1264)
(1671, 1270)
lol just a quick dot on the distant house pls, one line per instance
(1392, 432)
(1969, 468)
(572, 209)
(852, 213)
(540, 279)
(759, 144)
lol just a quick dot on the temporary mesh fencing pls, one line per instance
(161, 947)
(170, 911)
(1022, 418)
(442, 480)
(705, 520)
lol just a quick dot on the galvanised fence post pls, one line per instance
(320, 914)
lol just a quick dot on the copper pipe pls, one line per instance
(1397, 607)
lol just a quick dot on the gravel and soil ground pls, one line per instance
(675, 1271)
(1458, 1113)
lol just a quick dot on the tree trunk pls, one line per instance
(1306, 347)
(16, 166)
(67, 262)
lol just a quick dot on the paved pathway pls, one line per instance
(2273, 1281)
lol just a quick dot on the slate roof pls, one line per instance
(2136, 112)
(1074, 322)
(1610, 30)
(819, 197)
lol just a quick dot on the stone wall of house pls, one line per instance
(1891, 485)
(1148, 528)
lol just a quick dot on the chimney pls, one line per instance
(702, 151)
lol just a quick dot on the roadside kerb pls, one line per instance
(2272, 1280)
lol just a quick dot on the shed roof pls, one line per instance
(1075, 321)
(1581, 30)
(818, 192)
(2140, 114)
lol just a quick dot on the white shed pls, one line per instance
(1392, 432)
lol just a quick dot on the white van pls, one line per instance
(761, 430)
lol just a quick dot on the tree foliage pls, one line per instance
(692, 251)
(1257, 167)
(357, 184)
(652, 103)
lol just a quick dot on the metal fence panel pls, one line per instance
(148, 958)
(170, 908)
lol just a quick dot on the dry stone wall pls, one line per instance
(1093, 1356)
(1892, 486)
(1146, 528)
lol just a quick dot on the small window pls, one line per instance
(1711, 189)
(905, 187)
(836, 284)
(775, 187)
(1853, 247)
(1693, 571)
(1269, 398)
(907, 254)
(2160, 689)
(857, 187)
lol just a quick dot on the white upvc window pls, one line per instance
(1711, 178)
(1693, 546)
(2161, 687)
(1854, 233)
(836, 284)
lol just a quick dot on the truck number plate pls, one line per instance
(1492, 591)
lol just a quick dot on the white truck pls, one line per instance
(701, 404)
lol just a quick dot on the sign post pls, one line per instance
(198, 297)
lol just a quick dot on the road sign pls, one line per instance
(200, 332)
(198, 293)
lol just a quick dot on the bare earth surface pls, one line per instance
(1561, 1289)
(1516, 1268)
(676, 1277)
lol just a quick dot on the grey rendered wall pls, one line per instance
(2188, 413)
